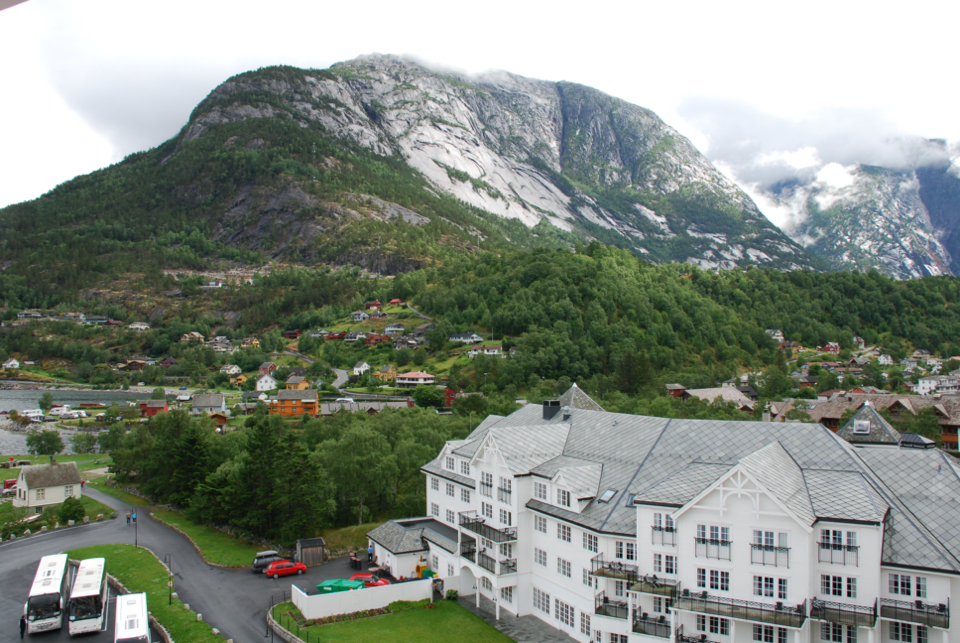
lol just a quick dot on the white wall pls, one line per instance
(367, 598)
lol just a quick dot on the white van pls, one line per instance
(33, 414)
(60, 410)
(344, 400)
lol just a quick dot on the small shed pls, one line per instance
(310, 551)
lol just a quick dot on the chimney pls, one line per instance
(550, 408)
(566, 413)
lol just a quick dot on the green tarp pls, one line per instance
(339, 585)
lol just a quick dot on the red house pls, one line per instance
(267, 367)
(397, 302)
(339, 335)
(149, 408)
(291, 334)
(675, 390)
(167, 362)
(449, 395)
(373, 305)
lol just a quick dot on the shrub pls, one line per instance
(72, 509)
(452, 594)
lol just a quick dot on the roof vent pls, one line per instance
(861, 427)
(566, 413)
(550, 408)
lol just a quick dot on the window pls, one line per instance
(618, 638)
(770, 538)
(487, 585)
(900, 584)
(486, 484)
(506, 517)
(506, 484)
(563, 498)
(540, 524)
(598, 636)
(587, 577)
(670, 565)
(563, 532)
(719, 626)
(658, 520)
(715, 532)
(831, 632)
(901, 632)
(67, 490)
(921, 634)
(41, 494)
(540, 556)
(450, 464)
(782, 589)
(434, 509)
(763, 586)
(563, 567)
(662, 604)
(487, 510)
(465, 495)
(450, 491)
(590, 542)
(539, 491)
(506, 594)
(701, 577)
(668, 521)
(618, 549)
(851, 588)
(541, 600)
(763, 633)
(618, 588)
(563, 612)
(851, 539)
(465, 468)
(831, 585)
(921, 587)
(720, 580)
(782, 634)
(450, 517)
(584, 624)
(658, 563)
(631, 551)
(435, 484)
(435, 561)
(852, 634)
(506, 550)
(701, 623)
(449, 569)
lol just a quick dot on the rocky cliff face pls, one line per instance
(523, 149)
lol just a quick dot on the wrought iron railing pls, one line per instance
(778, 614)
(770, 555)
(469, 551)
(488, 563)
(604, 606)
(933, 615)
(664, 536)
(508, 566)
(470, 521)
(844, 613)
(710, 548)
(614, 569)
(651, 627)
(654, 585)
(691, 639)
(839, 554)
(504, 495)
(486, 490)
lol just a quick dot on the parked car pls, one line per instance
(284, 568)
(265, 558)
(370, 580)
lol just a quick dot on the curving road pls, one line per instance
(234, 601)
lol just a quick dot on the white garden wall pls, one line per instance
(367, 598)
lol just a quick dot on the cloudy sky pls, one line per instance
(767, 90)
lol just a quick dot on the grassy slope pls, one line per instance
(346, 538)
(216, 546)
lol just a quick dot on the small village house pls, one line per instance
(11, 363)
(41, 485)
(386, 374)
(267, 368)
(149, 408)
(140, 327)
(230, 369)
(360, 368)
(266, 383)
(208, 403)
(359, 316)
(297, 383)
(191, 336)
(294, 403)
(412, 380)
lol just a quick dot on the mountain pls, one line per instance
(902, 222)
(382, 163)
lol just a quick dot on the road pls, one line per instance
(234, 601)
(342, 377)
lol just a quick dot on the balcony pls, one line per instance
(469, 551)
(770, 555)
(664, 536)
(504, 495)
(691, 639)
(614, 569)
(605, 607)
(844, 613)
(507, 565)
(839, 554)
(778, 614)
(488, 563)
(710, 548)
(916, 612)
(658, 586)
(651, 627)
(486, 490)
(471, 522)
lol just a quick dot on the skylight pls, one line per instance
(861, 427)
(608, 495)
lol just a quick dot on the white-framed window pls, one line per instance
(851, 587)
(563, 497)
(670, 564)
(631, 551)
(662, 604)
(450, 490)
(585, 624)
(506, 484)
(763, 586)
(618, 549)
(587, 577)
(506, 550)
(836, 537)
(563, 567)
(920, 587)
(465, 468)
(434, 509)
(451, 463)
(901, 632)
(41, 494)
(852, 634)
(701, 577)
(506, 594)
(540, 556)
(451, 517)
(449, 570)
(591, 542)
(618, 638)
(563, 612)
(901, 584)
(541, 600)
(719, 626)
(763, 633)
(701, 623)
(540, 524)
(618, 588)
(465, 495)
(435, 561)
(658, 520)
(598, 636)
(435, 484)
(67, 490)
(714, 532)
(831, 585)
(540, 491)
(487, 510)
(564, 532)
(833, 632)
(506, 517)
(486, 484)
(720, 580)
(658, 563)
(782, 589)
(487, 584)
(770, 538)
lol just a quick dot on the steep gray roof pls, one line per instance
(207, 399)
(308, 394)
(575, 398)
(410, 535)
(880, 430)
(39, 476)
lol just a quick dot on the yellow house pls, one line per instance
(387, 373)
(250, 342)
(297, 383)
(237, 380)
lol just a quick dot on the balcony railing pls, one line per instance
(710, 548)
(778, 614)
(664, 536)
(504, 495)
(470, 521)
(916, 612)
(691, 639)
(844, 613)
(605, 607)
(469, 551)
(839, 554)
(486, 490)
(488, 563)
(508, 566)
(614, 569)
(651, 627)
(770, 555)
(659, 586)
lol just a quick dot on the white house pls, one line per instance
(47, 484)
(465, 338)
(411, 380)
(230, 369)
(885, 360)
(139, 327)
(939, 384)
(11, 363)
(360, 368)
(776, 334)
(393, 329)
(359, 316)
(208, 403)
(626, 529)
(266, 383)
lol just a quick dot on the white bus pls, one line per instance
(44, 607)
(88, 600)
(131, 624)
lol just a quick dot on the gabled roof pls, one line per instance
(575, 398)
(39, 476)
(411, 535)
(773, 468)
(880, 430)
(308, 395)
(582, 477)
(294, 379)
(208, 399)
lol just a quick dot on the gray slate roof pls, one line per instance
(39, 476)
(207, 399)
(880, 430)
(410, 535)
(308, 394)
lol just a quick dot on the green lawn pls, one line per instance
(216, 546)
(347, 538)
(447, 621)
(94, 507)
(140, 571)
(100, 485)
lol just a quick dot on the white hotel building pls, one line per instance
(619, 528)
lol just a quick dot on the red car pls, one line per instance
(284, 568)
(369, 580)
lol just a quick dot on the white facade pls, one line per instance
(11, 363)
(938, 384)
(360, 368)
(266, 383)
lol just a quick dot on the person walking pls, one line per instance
(128, 517)
(369, 553)
(23, 625)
